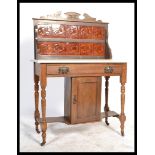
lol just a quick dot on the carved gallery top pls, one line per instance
(70, 37)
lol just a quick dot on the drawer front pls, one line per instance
(83, 69)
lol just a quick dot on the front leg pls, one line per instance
(36, 94)
(43, 103)
(122, 116)
(106, 108)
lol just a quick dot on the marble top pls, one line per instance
(78, 61)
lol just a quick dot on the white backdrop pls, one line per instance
(121, 40)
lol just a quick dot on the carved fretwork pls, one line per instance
(70, 16)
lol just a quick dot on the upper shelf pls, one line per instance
(70, 16)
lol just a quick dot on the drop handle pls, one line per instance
(108, 69)
(74, 99)
(63, 70)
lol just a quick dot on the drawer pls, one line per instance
(83, 69)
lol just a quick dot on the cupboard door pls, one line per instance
(86, 99)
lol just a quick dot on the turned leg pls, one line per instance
(122, 116)
(36, 94)
(106, 108)
(43, 103)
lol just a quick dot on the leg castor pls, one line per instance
(106, 121)
(43, 143)
(37, 130)
(37, 116)
(122, 133)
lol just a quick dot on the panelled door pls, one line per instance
(86, 99)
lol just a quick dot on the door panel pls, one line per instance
(86, 99)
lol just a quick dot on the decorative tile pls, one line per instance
(85, 48)
(86, 32)
(58, 31)
(44, 31)
(58, 48)
(72, 49)
(98, 49)
(44, 48)
(72, 31)
(98, 32)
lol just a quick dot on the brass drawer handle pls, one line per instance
(63, 70)
(108, 69)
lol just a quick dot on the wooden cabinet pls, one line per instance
(82, 99)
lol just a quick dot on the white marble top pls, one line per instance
(78, 61)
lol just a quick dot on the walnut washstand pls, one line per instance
(78, 50)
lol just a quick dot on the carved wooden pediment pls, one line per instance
(71, 16)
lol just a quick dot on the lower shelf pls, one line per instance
(110, 114)
(63, 120)
(54, 119)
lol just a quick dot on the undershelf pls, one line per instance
(54, 119)
(63, 120)
(110, 114)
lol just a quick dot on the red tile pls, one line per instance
(98, 32)
(98, 49)
(86, 48)
(72, 49)
(86, 32)
(44, 31)
(58, 31)
(72, 31)
(44, 48)
(58, 48)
